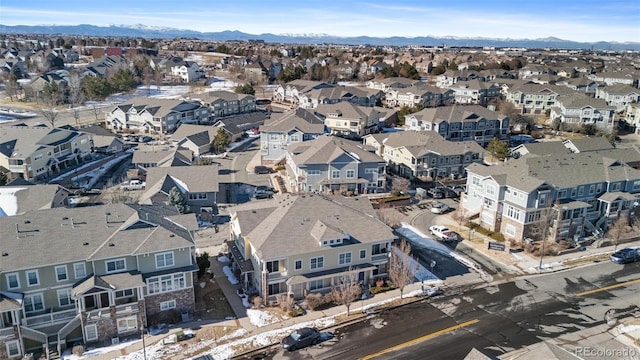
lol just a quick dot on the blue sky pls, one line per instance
(579, 20)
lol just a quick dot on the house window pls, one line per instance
(592, 189)
(510, 230)
(33, 303)
(13, 282)
(124, 293)
(298, 265)
(377, 249)
(616, 187)
(115, 265)
(61, 273)
(164, 260)
(581, 191)
(316, 263)
(475, 180)
(127, 324)
(636, 185)
(79, 270)
(513, 212)
(490, 190)
(313, 172)
(351, 174)
(316, 284)
(32, 278)
(165, 283)
(167, 305)
(197, 196)
(273, 266)
(91, 332)
(344, 258)
(335, 174)
(64, 297)
(13, 348)
(363, 254)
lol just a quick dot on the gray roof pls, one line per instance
(33, 197)
(325, 149)
(420, 143)
(162, 156)
(580, 100)
(292, 225)
(347, 110)
(590, 143)
(159, 107)
(19, 140)
(237, 124)
(532, 88)
(456, 113)
(213, 96)
(620, 89)
(300, 119)
(544, 148)
(87, 233)
(192, 179)
(189, 130)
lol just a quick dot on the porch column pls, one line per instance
(112, 300)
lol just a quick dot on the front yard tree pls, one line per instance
(220, 141)
(402, 268)
(177, 199)
(347, 290)
(245, 89)
(617, 229)
(498, 149)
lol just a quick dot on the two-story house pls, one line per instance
(292, 92)
(349, 120)
(533, 98)
(475, 92)
(305, 244)
(151, 115)
(632, 115)
(331, 95)
(461, 122)
(584, 192)
(333, 164)
(618, 95)
(197, 184)
(186, 71)
(225, 103)
(578, 109)
(414, 154)
(419, 95)
(294, 126)
(40, 152)
(387, 84)
(108, 272)
(197, 138)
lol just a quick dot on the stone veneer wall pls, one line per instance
(185, 302)
(3, 344)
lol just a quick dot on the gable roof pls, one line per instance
(162, 156)
(237, 124)
(192, 179)
(419, 143)
(455, 113)
(589, 143)
(300, 119)
(325, 149)
(347, 110)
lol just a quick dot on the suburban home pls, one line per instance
(292, 91)
(349, 120)
(293, 126)
(186, 71)
(535, 98)
(30, 197)
(461, 122)
(413, 154)
(225, 103)
(304, 244)
(618, 95)
(418, 95)
(238, 126)
(582, 84)
(105, 64)
(622, 76)
(450, 77)
(474, 92)
(332, 164)
(197, 184)
(36, 88)
(632, 115)
(583, 193)
(331, 95)
(159, 116)
(146, 157)
(387, 84)
(40, 152)
(568, 146)
(108, 272)
(197, 138)
(578, 109)
(104, 141)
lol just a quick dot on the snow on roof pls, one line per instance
(9, 201)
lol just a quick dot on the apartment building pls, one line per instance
(578, 109)
(294, 126)
(225, 103)
(349, 120)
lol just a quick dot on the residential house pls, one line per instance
(582, 84)
(413, 154)
(197, 184)
(535, 98)
(461, 122)
(331, 95)
(581, 192)
(618, 95)
(450, 77)
(225, 103)
(578, 109)
(39, 87)
(292, 91)
(293, 126)
(419, 95)
(532, 71)
(108, 272)
(151, 115)
(307, 244)
(387, 84)
(104, 141)
(161, 156)
(238, 126)
(186, 71)
(475, 92)
(622, 76)
(30, 197)
(332, 164)
(197, 138)
(110, 63)
(40, 152)
(632, 115)
(349, 120)
(568, 146)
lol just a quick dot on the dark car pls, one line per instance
(435, 193)
(625, 256)
(301, 338)
(263, 192)
(261, 170)
(145, 139)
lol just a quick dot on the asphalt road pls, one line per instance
(494, 319)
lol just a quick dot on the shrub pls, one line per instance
(314, 301)
(286, 302)
(78, 350)
(381, 289)
(296, 312)
(257, 302)
(203, 263)
(279, 167)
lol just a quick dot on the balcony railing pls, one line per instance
(379, 257)
(277, 275)
(127, 309)
(98, 314)
(50, 318)
(6, 332)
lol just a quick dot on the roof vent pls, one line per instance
(65, 218)
(253, 211)
(85, 243)
(112, 244)
(5, 254)
(172, 235)
(27, 221)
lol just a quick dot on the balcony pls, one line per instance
(277, 275)
(6, 332)
(379, 257)
(121, 310)
(50, 318)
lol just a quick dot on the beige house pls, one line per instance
(224, 103)
(349, 120)
(303, 244)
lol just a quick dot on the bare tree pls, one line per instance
(389, 215)
(399, 185)
(540, 228)
(347, 290)
(617, 229)
(50, 113)
(402, 268)
(461, 216)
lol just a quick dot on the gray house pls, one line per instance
(291, 127)
(198, 185)
(336, 165)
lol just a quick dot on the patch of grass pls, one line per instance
(587, 259)
(211, 303)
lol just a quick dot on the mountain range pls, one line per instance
(157, 32)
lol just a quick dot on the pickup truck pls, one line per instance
(133, 185)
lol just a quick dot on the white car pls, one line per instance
(439, 231)
(439, 208)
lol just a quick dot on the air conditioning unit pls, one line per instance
(115, 341)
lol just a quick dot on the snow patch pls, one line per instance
(9, 201)
(260, 318)
(230, 276)
(223, 259)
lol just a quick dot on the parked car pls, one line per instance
(435, 193)
(301, 338)
(259, 169)
(458, 189)
(439, 230)
(145, 139)
(439, 207)
(625, 256)
(451, 236)
(263, 192)
(432, 291)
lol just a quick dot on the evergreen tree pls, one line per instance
(220, 141)
(498, 149)
(177, 199)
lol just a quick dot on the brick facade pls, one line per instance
(185, 302)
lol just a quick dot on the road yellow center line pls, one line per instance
(607, 288)
(420, 339)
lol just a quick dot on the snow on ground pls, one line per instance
(219, 83)
(232, 278)
(90, 178)
(260, 318)
(9, 201)
(92, 352)
(223, 259)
